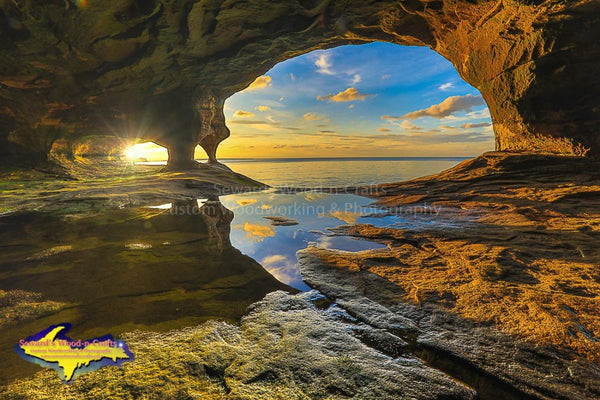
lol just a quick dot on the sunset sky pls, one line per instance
(374, 100)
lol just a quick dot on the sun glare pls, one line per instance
(148, 151)
(130, 153)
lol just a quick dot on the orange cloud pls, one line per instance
(258, 232)
(260, 83)
(350, 94)
(346, 216)
(444, 109)
(246, 202)
(243, 114)
(475, 125)
(312, 116)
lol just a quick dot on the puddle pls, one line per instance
(121, 270)
(275, 247)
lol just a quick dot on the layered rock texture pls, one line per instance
(160, 70)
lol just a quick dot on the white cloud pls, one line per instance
(324, 65)
(446, 86)
(356, 79)
(274, 259)
(281, 267)
(292, 77)
(473, 115)
(485, 113)
(404, 123)
(408, 126)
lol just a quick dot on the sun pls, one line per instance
(147, 151)
(131, 153)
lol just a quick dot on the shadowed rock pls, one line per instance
(161, 70)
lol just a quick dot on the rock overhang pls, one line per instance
(161, 70)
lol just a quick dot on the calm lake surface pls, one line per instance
(336, 172)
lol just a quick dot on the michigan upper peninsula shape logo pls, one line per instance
(52, 348)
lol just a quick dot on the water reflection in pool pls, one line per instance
(275, 246)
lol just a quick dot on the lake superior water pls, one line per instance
(337, 172)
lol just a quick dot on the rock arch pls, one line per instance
(162, 69)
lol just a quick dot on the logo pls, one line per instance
(72, 358)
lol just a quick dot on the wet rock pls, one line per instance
(50, 252)
(109, 289)
(138, 246)
(281, 221)
(18, 305)
(518, 252)
(284, 348)
(357, 305)
(104, 184)
(383, 341)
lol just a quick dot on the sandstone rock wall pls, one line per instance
(161, 69)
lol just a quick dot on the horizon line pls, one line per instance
(333, 158)
(318, 158)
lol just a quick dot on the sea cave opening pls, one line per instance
(371, 108)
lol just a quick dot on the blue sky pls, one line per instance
(377, 99)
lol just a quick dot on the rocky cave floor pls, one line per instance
(499, 299)
(92, 184)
